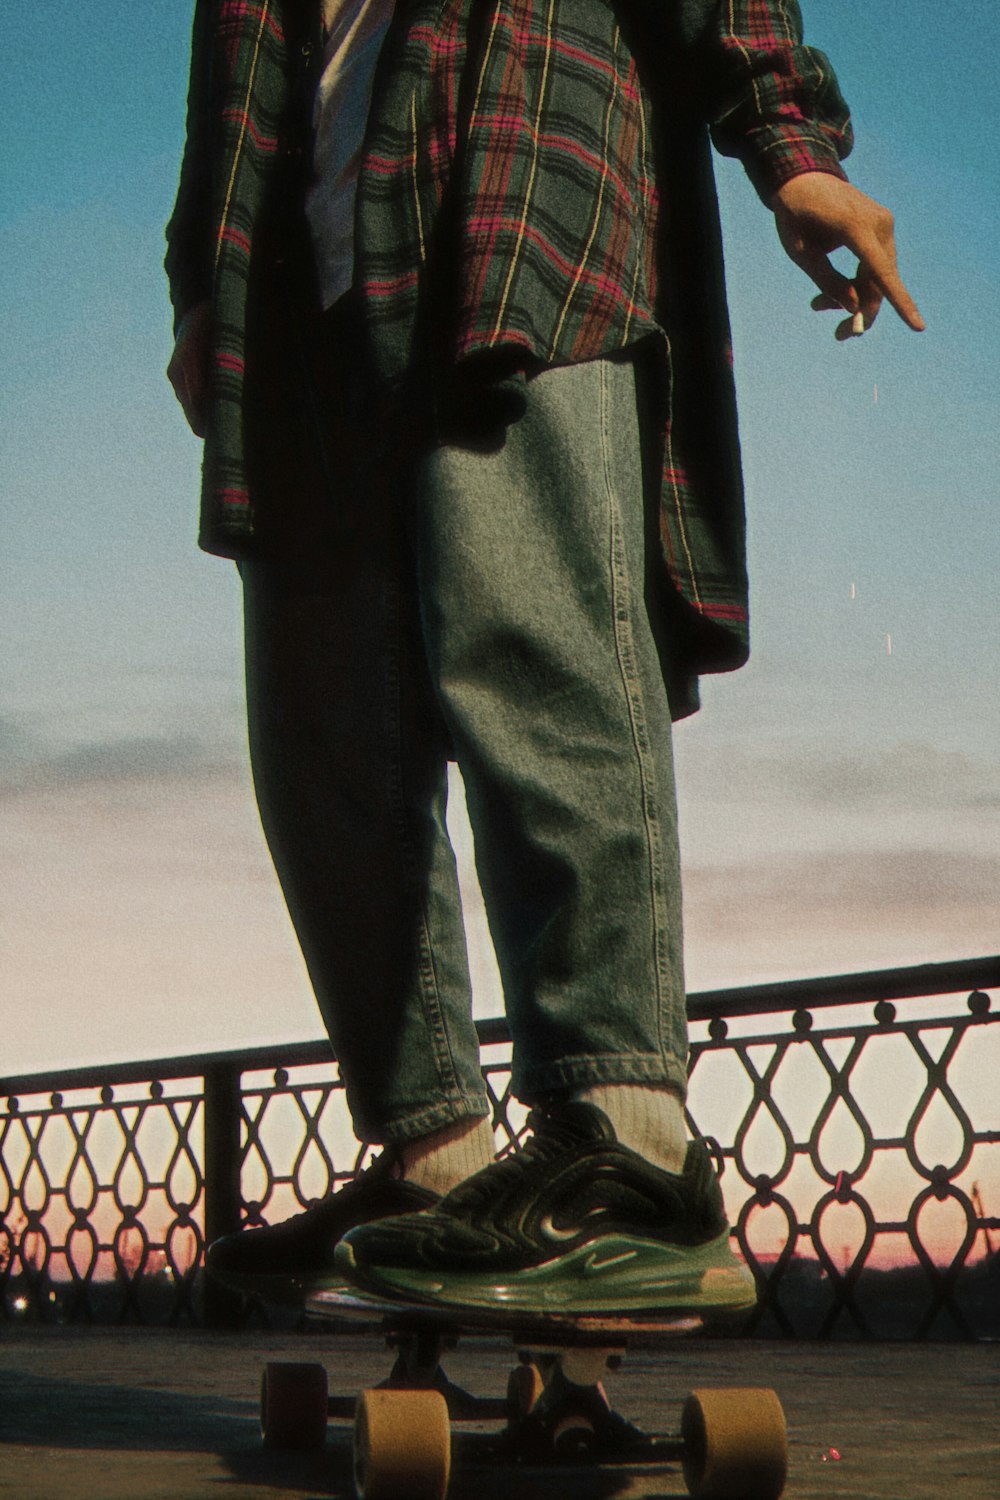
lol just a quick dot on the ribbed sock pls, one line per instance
(446, 1157)
(647, 1118)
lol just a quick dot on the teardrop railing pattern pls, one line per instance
(855, 1120)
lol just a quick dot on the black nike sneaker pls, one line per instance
(573, 1223)
(281, 1262)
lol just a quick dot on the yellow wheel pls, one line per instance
(524, 1386)
(402, 1446)
(735, 1445)
(293, 1405)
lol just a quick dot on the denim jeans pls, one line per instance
(491, 609)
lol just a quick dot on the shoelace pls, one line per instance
(550, 1139)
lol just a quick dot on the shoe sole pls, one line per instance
(614, 1276)
(288, 1291)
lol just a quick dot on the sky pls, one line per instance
(838, 797)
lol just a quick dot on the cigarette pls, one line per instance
(858, 324)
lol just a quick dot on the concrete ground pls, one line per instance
(156, 1414)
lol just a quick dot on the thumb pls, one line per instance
(816, 264)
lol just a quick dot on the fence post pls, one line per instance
(223, 1308)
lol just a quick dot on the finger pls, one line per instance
(878, 270)
(813, 260)
(196, 417)
(837, 288)
(823, 303)
(194, 405)
(195, 388)
(870, 295)
(869, 300)
(189, 394)
(850, 328)
(175, 374)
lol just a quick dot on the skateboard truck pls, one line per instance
(732, 1443)
(418, 1367)
(558, 1411)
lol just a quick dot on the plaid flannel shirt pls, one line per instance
(536, 176)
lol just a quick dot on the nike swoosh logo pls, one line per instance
(593, 1266)
(548, 1229)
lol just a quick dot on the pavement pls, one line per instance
(162, 1414)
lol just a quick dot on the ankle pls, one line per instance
(444, 1158)
(648, 1118)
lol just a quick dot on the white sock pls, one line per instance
(647, 1117)
(446, 1157)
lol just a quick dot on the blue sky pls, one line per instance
(838, 801)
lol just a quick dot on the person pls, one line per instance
(450, 315)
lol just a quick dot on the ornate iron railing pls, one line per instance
(854, 1121)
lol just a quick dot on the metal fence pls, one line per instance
(854, 1121)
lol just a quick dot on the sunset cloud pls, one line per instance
(59, 761)
(825, 913)
(876, 778)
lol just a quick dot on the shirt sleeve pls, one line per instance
(188, 261)
(769, 100)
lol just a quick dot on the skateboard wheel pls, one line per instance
(402, 1445)
(524, 1387)
(735, 1445)
(573, 1440)
(293, 1405)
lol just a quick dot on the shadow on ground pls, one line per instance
(54, 1412)
(476, 1475)
(75, 1416)
(152, 1414)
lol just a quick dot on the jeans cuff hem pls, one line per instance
(417, 1122)
(532, 1085)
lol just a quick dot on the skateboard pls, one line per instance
(731, 1443)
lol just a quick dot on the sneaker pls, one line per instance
(282, 1262)
(573, 1223)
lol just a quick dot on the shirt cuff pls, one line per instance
(773, 156)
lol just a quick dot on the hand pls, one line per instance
(816, 213)
(188, 370)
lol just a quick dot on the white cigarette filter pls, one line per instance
(858, 324)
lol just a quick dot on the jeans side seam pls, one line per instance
(427, 973)
(625, 654)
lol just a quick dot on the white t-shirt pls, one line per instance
(355, 30)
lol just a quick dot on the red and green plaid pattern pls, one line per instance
(255, 74)
(516, 158)
(243, 77)
(508, 181)
(772, 102)
(536, 176)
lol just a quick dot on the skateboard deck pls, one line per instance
(731, 1443)
(360, 1309)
